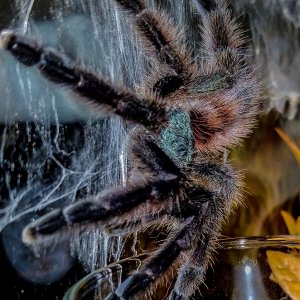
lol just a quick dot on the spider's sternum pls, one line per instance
(177, 139)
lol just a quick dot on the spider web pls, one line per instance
(54, 151)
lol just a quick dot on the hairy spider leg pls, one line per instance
(202, 216)
(163, 39)
(152, 27)
(191, 274)
(226, 82)
(102, 208)
(117, 202)
(93, 89)
(162, 182)
(223, 41)
(159, 264)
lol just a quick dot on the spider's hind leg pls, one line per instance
(223, 41)
(160, 264)
(223, 183)
(159, 34)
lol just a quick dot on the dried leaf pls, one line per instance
(298, 225)
(286, 272)
(293, 147)
(290, 222)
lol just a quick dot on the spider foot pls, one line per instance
(44, 226)
(5, 37)
(26, 50)
(60, 219)
(131, 286)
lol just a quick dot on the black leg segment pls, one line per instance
(95, 91)
(24, 49)
(102, 208)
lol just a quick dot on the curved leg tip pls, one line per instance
(6, 36)
(44, 227)
(28, 235)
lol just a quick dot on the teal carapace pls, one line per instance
(177, 139)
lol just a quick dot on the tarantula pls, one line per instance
(187, 118)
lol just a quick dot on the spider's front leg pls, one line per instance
(143, 199)
(103, 208)
(192, 273)
(92, 89)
